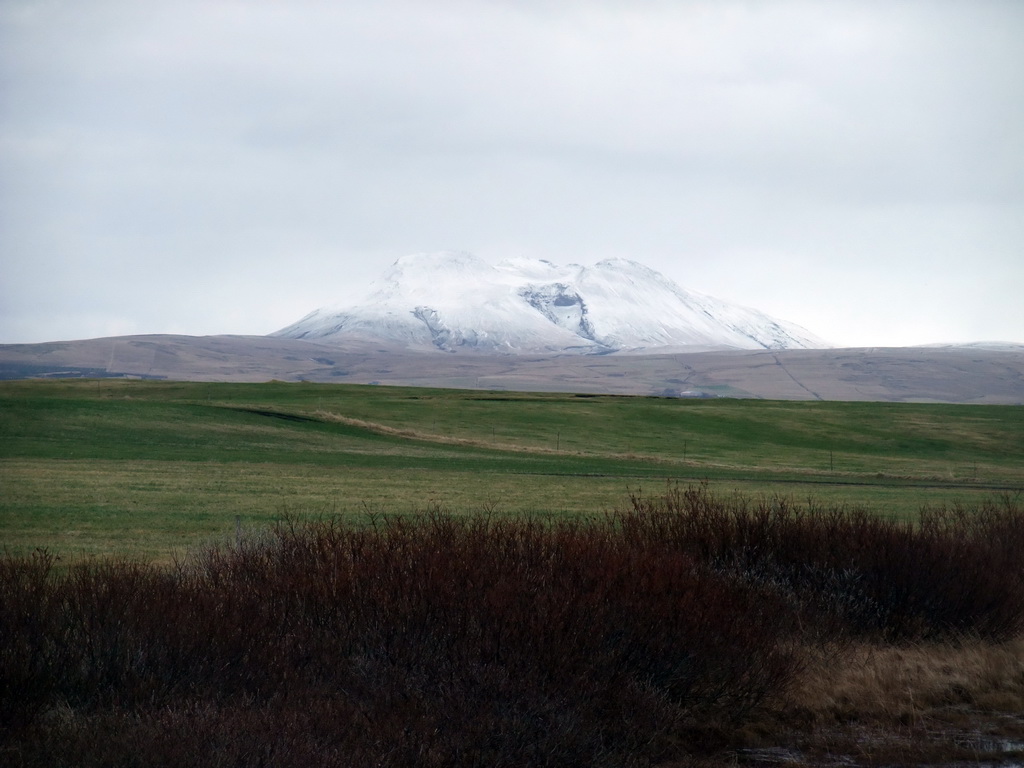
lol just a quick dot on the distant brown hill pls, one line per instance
(966, 374)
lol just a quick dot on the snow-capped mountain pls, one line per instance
(457, 302)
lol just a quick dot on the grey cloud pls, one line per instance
(716, 141)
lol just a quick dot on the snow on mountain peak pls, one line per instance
(455, 301)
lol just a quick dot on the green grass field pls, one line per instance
(148, 468)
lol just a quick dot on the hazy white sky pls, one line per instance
(207, 167)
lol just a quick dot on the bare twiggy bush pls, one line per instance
(953, 572)
(646, 636)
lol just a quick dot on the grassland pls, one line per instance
(792, 607)
(148, 468)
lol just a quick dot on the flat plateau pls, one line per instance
(953, 374)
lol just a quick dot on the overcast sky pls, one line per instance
(226, 167)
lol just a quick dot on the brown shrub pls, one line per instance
(442, 640)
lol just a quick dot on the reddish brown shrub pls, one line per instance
(442, 640)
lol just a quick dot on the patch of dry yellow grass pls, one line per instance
(906, 684)
(925, 704)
